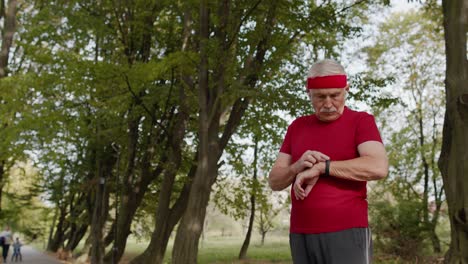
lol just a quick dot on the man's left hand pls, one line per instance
(308, 178)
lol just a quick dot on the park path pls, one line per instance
(33, 256)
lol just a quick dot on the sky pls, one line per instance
(402, 5)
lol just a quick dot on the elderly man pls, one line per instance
(328, 157)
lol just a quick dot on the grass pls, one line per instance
(218, 249)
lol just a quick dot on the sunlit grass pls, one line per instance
(219, 249)
(225, 249)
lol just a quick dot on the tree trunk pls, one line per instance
(129, 201)
(166, 217)
(2, 182)
(106, 160)
(245, 245)
(210, 146)
(76, 237)
(435, 240)
(191, 226)
(429, 224)
(9, 29)
(133, 192)
(78, 220)
(97, 224)
(453, 158)
(58, 238)
(51, 231)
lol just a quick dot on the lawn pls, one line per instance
(225, 249)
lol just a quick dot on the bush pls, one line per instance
(397, 228)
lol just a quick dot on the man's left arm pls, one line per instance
(372, 164)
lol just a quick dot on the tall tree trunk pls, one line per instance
(9, 29)
(106, 160)
(191, 226)
(77, 220)
(435, 239)
(134, 192)
(166, 217)
(57, 239)
(52, 227)
(128, 202)
(97, 223)
(253, 191)
(2, 182)
(76, 236)
(453, 158)
(132, 198)
(210, 146)
(430, 224)
(8, 32)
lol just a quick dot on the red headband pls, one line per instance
(323, 82)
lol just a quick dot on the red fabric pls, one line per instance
(333, 204)
(322, 82)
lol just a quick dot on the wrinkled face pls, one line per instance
(328, 103)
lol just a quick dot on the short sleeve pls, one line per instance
(367, 130)
(286, 147)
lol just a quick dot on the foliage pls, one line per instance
(396, 223)
(97, 85)
(23, 207)
(406, 50)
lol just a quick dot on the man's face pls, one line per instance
(328, 103)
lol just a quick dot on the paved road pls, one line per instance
(33, 256)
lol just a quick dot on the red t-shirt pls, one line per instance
(334, 204)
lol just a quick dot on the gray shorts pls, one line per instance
(350, 246)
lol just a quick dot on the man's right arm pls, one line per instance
(282, 174)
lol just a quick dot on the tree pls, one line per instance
(410, 56)
(273, 25)
(270, 205)
(242, 192)
(8, 13)
(452, 161)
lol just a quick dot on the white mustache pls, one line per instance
(328, 110)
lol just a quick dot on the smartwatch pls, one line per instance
(327, 168)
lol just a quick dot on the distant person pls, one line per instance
(6, 238)
(327, 158)
(17, 251)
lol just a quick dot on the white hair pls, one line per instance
(326, 67)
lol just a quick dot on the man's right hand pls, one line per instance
(308, 160)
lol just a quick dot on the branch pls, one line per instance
(140, 102)
(353, 5)
(247, 15)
